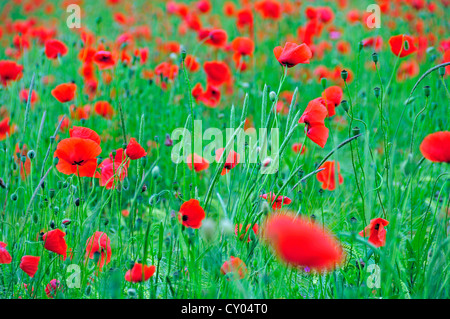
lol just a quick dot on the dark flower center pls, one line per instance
(184, 218)
(377, 226)
(78, 162)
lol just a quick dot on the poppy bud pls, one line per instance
(313, 217)
(406, 45)
(99, 160)
(226, 227)
(55, 161)
(52, 224)
(144, 161)
(77, 202)
(375, 57)
(155, 172)
(427, 91)
(356, 131)
(131, 293)
(98, 20)
(59, 184)
(272, 96)
(183, 54)
(323, 81)
(442, 71)
(52, 139)
(56, 209)
(168, 141)
(175, 186)
(23, 159)
(31, 154)
(344, 75)
(144, 188)
(14, 197)
(113, 153)
(66, 222)
(344, 105)
(52, 193)
(88, 290)
(376, 91)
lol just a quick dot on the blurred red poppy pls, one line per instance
(52, 288)
(9, 71)
(234, 266)
(327, 176)
(279, 202)
(217, 72)
(64, 92)
(200, 164)
(231, 161)
(241, 233)
(140, 273)
(436, 147)
(299, 242)
(55, 48)
(104, 109)
(5, 257)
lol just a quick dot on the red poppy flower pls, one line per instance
(25, 168)
(77, 156)
(99, 243)
(84, 132)
(64, 92)
(9, 71)
(375, 42)
(139, 273)
(5, 257)
(299, 242)
(167, 70)
(52, 288)
(327, 176)
(200, 164)
(231, 161)
(104, 59)
(292, 54)
(104, 109)
(296, 148)
(243, 46)
(191, 63)
(279, 202)
(23, 95)
(376, 232)
(333, 94)
(81, 112)
(217, 72)
(234, 266)
(214, 37)
(402, 45)
(241, 234)
(210, 97)
(5, 129)
(314, 117)
(29, 264)
(134, 150)
(269, 9)
(111, 170)
(191, 214)
(55, 48)
(436, 147)
(54, 241)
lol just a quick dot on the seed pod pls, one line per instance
(14, 197)
(77, 202)
(323, 81)
(344, 75)
(375, 57)
(442, 71)
(376, 91)
(31, 154)
(272, 96)
(427, 90)
(52, 193)
(344, 105)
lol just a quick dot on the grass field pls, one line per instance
(98, 197)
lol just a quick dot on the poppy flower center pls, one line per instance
(184, 218)
(377, 226)
(78, 162)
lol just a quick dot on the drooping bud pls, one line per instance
(375, 57)
(272, 96)
(344, 75)
(344, 105)
(376, 91)
(427, 90)
(168, 141)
